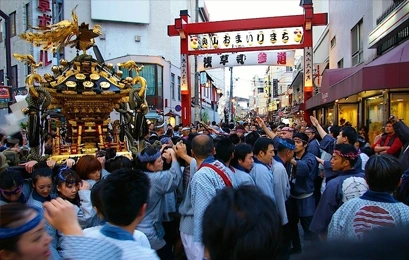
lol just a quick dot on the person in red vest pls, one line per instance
(389, 142)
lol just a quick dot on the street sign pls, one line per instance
(178, 108)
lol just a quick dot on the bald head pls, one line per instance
(202, 146)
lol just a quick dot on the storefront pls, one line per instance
(348, 114)
(374, 115)
(366, 95)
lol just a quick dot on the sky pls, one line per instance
(242, 9)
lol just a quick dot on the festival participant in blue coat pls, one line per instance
(42, 191)
(241, 223)
(347, 135)
(150, 161)
(349, 184)
(281, 168)
(302, 201)
(281, 161)
(22, 233)
(139, 237)
(314, 148)
(89, 169)
(313, 143)
(13, 187)
(210, 177)
(225, 153)
(376, 208)
(242, 163)
(71, 188)
(124, 200)
(261, 172)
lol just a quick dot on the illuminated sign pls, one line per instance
(184, 73)
(269, 58)
(227, 40)
(308, 67)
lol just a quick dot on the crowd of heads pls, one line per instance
(239, 223)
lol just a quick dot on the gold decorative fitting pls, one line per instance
(89, 93)
(105, 85)
(88, 85)
(80, 76)
(69, 92)
(94, 77)
(71, 84)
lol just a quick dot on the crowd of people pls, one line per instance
(217, 191)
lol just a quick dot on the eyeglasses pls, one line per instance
(14, 192)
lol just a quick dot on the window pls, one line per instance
(14, 77)
(375, 110)
(28, 15)
(179, 89)
(172, 86)
(126, 73)
(1, 31)
(357, 37)
(2, 77)
(153, 74)
(159, 75)
(340, 64)
(333, 42)
(260, 90)
(60, 11)
(13, 24)
(288, 69)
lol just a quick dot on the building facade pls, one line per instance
(368, 54)
(130, 29)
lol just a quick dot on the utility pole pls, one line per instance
(231, 95)
(196, 84)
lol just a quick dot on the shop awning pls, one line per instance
(330, 77)
(389, 71)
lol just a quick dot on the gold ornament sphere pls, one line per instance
(55, 69)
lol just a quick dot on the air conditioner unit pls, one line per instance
(102, 36)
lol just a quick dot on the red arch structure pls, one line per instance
(185, 30)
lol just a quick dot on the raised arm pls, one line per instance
(268, 132)
(314, 122)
